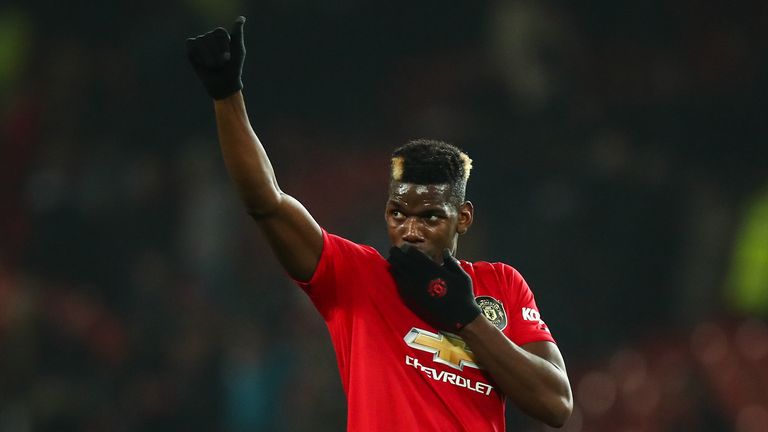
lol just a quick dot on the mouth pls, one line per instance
(438, 258)
(418, 246)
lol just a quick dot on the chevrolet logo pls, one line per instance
(448, 349)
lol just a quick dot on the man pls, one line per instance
(423, 342)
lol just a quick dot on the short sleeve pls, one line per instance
(525, 322)
(329, 286)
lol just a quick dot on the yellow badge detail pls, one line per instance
(448, 349)
(493, 311)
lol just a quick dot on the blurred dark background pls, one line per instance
(620, 165)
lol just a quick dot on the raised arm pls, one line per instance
(294, 236)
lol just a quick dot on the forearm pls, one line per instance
(245, 157)
(534, 384)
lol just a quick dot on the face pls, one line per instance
(424, 217)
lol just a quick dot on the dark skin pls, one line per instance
(421, 216)
(532, 375)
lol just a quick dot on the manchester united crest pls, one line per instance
(493, 311)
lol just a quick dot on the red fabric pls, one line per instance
(391, 385)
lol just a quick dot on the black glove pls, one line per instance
(218, 59)
(440, 295)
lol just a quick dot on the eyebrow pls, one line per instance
(428, 211)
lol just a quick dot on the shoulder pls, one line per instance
(497, 278)
(340, 262)
(341, 252)
(337, 244)
(497, 270)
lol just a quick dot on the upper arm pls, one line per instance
(294, 236)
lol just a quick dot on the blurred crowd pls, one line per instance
(620, 165)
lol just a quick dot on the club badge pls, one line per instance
(493, 311)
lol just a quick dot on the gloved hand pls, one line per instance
(218, 59)
(440, 295)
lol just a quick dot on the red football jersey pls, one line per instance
(398, 372)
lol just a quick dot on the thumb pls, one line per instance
(237, 30)
(450, 263)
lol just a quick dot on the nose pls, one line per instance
(412, 231)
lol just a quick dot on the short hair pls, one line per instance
(430, 162)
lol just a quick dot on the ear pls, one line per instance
(466, 216)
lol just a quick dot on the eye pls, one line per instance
(433, 218)
(396, 214)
